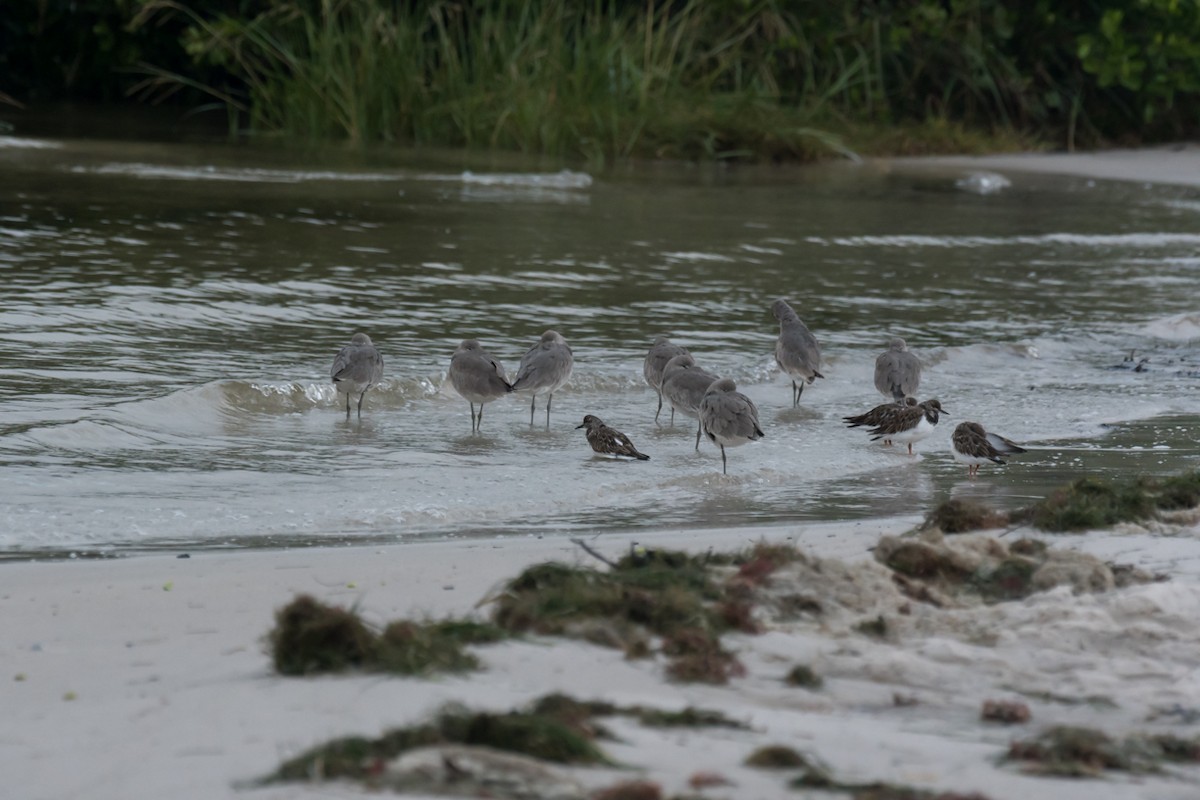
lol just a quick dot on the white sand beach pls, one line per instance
(148, 677)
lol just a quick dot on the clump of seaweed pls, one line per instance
(538, 735)
(688, 601)
(1087, 752)
(1092, 503)
(803, 675)
(962, 516)
(630, 790)
(876, 627)
(311, 637)
(776, 756)
(1008, 712)
(935, 569)
(577, 713)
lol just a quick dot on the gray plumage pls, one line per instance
(728, 417)
(356, 368)
(544, 368)
(662, 351)
(897, 372)
(684, 385)
(796, 350)
(478, 377)
(609, 441)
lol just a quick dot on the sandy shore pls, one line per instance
(148, 678)
(1177, 165)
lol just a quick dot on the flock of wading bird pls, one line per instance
(725, 415)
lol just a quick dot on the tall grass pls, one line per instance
(597, 80)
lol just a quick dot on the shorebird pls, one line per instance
(662, 351)
(973, 446)
(477, 376)
(879, 415)
(609, 441)
(684, 385)
(544, 368)
(910, 424)
(796, 351)
(728, 417)
(356, 368)
(897, 371)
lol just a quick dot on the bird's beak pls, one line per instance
(577, 427)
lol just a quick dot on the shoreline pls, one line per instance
(146, 676)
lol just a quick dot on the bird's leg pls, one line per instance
(723, 470)
(472, 405)
(360, 399)
(347, 405)
(659, 411)
(549, 400)
(698, 426)
(532, 403)
(910, 448)
(672, 416)
(795, 395)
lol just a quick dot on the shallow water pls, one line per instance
(171, 311)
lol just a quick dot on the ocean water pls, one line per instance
(171, 310)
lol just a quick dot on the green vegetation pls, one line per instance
(672, 595)
(776, 757)
(526, 732)
(962, 516)
(1093, 503)
(310, 637)
(555, 728)
(804, 676)
(604, 79)
(1086, 752)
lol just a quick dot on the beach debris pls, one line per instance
(962, 516)
(1009, 712)
(936, 570)
(707, 779)
(311, 637)
(803, 675)
(630, 790)
(876, 627)
(776, 756)
(470, 771)
(1086, 752)
(687, 600)
(1093, 503)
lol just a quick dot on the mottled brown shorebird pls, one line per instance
(609, 441)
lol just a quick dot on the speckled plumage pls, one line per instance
(609, 441)
(974, 446)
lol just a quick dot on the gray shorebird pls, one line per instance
(544, 368)
(477, 376)
(879, 415)
(897, 371)
(796, 350)
(728, 417)
(911, 424)
(609, 441)
(974, 446)
(662, 351)
(356, 368)
(684, 385)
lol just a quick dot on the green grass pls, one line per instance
(1093, 503)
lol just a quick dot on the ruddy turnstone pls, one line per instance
(728, 417)
(609, 441)
(796, 350)
(973, 446)
(879, 415)
(662, 351)
(477, 376)
(897, 372)
(356, 368)
(544, 368)
(684, 385)
(910, 424)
